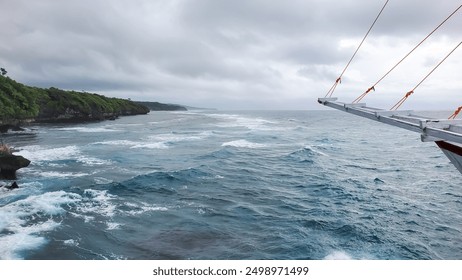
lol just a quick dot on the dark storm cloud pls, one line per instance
(199, 52)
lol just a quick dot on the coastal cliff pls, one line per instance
(156, 106)
(20, 104)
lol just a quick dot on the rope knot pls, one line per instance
(456, 112)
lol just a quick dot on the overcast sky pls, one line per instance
(234, 54)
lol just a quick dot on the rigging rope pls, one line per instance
(402, 100)
(339, 79)
(456, 112)
(359, 98)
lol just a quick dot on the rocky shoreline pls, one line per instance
(7, 127)
(22, 105)
(10, 163)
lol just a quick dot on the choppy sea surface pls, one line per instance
(230, 185)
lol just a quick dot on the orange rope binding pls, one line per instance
(397, 105)
(456, 112)
(332, 89)
(399, 62)
(339, 79)
(401, 101)
(364, 94)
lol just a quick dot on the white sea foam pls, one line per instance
(24, 220)
(21, 230)
(96, 201)
(174, 138)
(43, 154)
(160, 141)
(243, 144)
(163, 141)
(112, 225)
(135, 144)
(87, 129)
(71, 242)
(315, 150)
(56, 174)
(157, 145)
(39, 153)
(102, 181)
(240, 121)
(118, 143)
(26, 189)
(338, 255)
(102, 203)
(211, 177)
(142, 208)
(92, 160)
(14, 244)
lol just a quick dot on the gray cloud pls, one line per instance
(217, 53)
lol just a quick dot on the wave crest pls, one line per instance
(243, 144)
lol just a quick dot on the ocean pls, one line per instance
(230, 185)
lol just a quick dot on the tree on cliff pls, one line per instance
(4, 72)
(20, 102)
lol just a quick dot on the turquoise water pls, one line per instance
(231, 185)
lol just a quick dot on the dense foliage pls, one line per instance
(156, 106)
(20, 102)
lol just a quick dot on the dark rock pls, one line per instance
(10, 163)
(12, 186)
(6, 127)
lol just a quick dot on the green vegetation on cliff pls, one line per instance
(156, 106)
(19, 102)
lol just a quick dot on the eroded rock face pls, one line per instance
(10, 163)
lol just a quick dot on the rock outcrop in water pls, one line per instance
(13, 186)
(9, 164)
